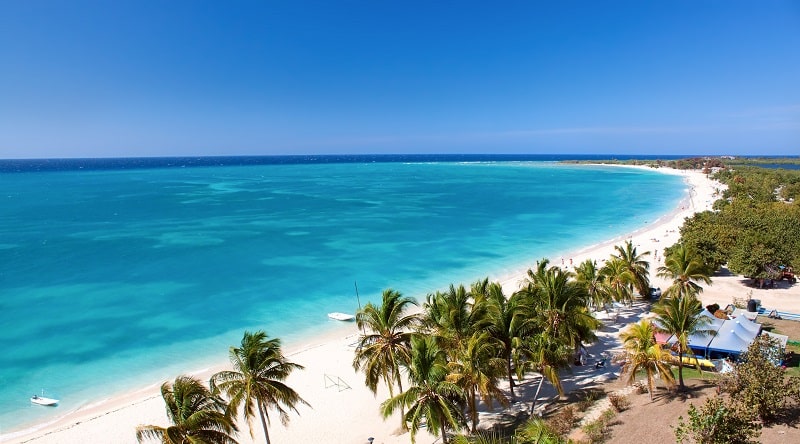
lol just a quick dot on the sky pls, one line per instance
(127, 78)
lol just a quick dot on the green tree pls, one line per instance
(560, 304)
(587, 274)
(453, 315)
(717, 422)
(508, 322)
(386, 349)
(197, 416)
(477, 372)
(637, 266)
(257, 380)
(679, 316)
(644, 354)
(685, 269)
(617, 280)
(547, 355)
(431, 399)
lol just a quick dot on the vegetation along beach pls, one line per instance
(342, 391)
(392, 222)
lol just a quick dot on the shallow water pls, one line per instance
(117, 278)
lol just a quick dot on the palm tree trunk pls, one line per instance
(680, 368)
(262, 414)
(444, 434)
(402, 406)
(536, 396)
(510, 377)
(474, 410)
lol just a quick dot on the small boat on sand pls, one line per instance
(341, 316)
(42, 400)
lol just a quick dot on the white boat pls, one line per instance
(341, 316)
(42, 400)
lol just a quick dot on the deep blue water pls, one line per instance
(115, 275)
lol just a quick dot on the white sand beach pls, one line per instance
(343, 409)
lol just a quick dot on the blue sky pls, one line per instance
(159, 78)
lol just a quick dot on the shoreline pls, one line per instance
(144, 405)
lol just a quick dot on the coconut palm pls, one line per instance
(196, 415)
(385, 346)
(644, 354)
(508, 321)
(617, 280)
(256, 382)
(685, 268)
(547, 355)
(589, 276)
(453, 315)
(560, 304)
(638, 268)
(431, 399)
(679, 316)
(477, 370)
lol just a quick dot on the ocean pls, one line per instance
(120, 273)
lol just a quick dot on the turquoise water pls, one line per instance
(112, 279)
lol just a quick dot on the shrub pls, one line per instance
(562, 422)
(619, 402)
(758, 382)
(717, 422)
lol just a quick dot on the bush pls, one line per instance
(619, 402)
(598, 431)
(589, 397)
(758, 383)
(718, 423)
(562, 422)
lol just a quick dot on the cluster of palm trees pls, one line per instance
(456, 351)
(676, 314)
(199, 414)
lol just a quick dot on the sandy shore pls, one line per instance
(343, 409)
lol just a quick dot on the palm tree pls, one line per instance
(454, 315)
(387, 347)
(561, 307)
(257, 380)
(476, 371)
(508, 320)
(589, 276)
(196, 414)
(684, 267)
(644, 354)
(431, 400)
(679, 316)
(547, 355)
(617, 279)
(638, 268)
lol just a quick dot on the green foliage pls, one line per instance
(432, 401)
(256, 382)
(598, 431)
(537, 431)
(754, 226)
(679, 316)
(717, 422)
(757, 382)
(196, 414)
(645, 354)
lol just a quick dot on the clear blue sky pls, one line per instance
(153, 78)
